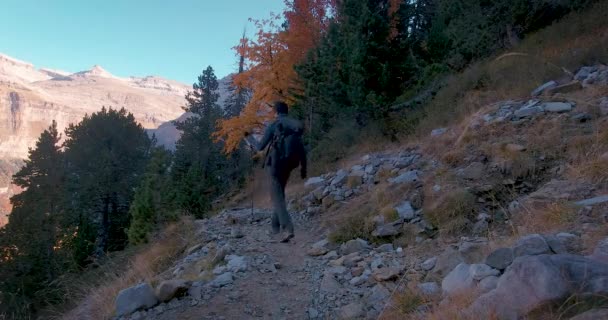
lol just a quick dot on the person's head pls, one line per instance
(280, 107)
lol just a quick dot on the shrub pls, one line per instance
(451, 211)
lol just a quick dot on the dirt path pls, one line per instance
(281, 281)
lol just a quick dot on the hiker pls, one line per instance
(286, 152)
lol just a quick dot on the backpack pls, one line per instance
(288, 148)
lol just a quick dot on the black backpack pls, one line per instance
(287, 143)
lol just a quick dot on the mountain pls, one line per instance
(30, 99)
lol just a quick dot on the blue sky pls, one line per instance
(174, 39)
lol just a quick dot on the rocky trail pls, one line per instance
(502, 217)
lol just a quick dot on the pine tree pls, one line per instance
(106, 156)
(150, 206)
(197, 173)
(30, 256)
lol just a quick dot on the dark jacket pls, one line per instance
(287, 121)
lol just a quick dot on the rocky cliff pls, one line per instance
(30, 99)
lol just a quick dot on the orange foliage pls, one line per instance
(271, 57)
(393, 14)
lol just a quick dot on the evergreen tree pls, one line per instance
(150, 205)
(198, 172)
(106, 156)
(30, 252)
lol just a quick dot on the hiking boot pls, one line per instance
(286, 237)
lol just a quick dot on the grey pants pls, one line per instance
(280, 217)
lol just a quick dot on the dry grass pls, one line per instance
(578, 39)
(587, 155)
(545, 217)
(451, 211)
(453, 308)
(98, 302)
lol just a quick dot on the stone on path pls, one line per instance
(353, 246)
(135, 298)
(500, 258)
(459, 280)
(405, 211)
(533, 244)
(222, 280)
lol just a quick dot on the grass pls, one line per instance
(576, 40)
(97, 301)
(451, 211)
(546, 217)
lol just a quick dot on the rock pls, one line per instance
(557, 107)
(582, 117)
(480, 227)
(472, 252)
(570, 241)
(317, 251)
(386, 274)
(236, 232)
(584, 73)
(236, 263)
(447, 261)
(337, 270)
(488, 284)
(438, 132)
(387, 230)
(170, 289)
(358, 280)
(353, 246)
(566, 88)
(314, 182)
(458, 280)
(378, 296)
(222, 280)
(329, 284)
(407, 177)
(592, 201)
(429, 288)
(352, 311)
(600, 253)
(135, 298)
(220, 254)
(555, 244)
(193, 249)
(428, 264)
(593, 314)
(530, 109)
(534, 281)
(533, 244)
(515, 147)
(500, 258)
(538, 91)
(474, 171)
(481, 271)
(313, 313)
(340, 178)
(405, 211)
(387, 247)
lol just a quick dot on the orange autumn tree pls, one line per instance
(280, 42)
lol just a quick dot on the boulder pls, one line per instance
(429, 288)
(438, 132)
(222, 280)
(317, 251)
(386, 274)
(170, 289)
(386, 230)
(538, 91)
(592, 201)
(533, 244)
(236, 263)
(500, 258)
(534, 281)
(406, 177)
(488, 284)
(340, 178)
(352, 311)
(458, 280)
(405, 211)
(353, 246)
(447, 261)
(530, 109)
(314, 182)
(428, 264)
(557, 107)
(135, 298)
(480, 271)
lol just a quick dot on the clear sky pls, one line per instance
(174, 39)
